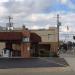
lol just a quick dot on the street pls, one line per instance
(34, 66)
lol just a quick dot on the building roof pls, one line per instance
(34, 37)
(10, 36)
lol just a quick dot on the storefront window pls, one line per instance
(25, 39)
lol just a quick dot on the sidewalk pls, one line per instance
(70, 58)
(37, 71)
(71, 62)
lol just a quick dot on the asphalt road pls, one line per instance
(34, 66)
(9, 63)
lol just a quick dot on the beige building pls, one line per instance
(49, 39)
(2, 45)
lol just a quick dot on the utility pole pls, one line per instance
(58, 25)
(9, 24)
(9, 17)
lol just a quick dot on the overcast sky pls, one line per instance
(39, 13)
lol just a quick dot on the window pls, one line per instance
(49, 36)
(25, 39)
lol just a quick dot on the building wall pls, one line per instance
(25, 46)
(2, 45)
(34, 38)
(49, 36)
(25, 50)
(16, 47)
(16, 38)
(54, 47)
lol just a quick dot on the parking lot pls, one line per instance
(6, 63)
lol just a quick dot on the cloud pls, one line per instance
(68, 3)
(35, 27)
(3, 10)
(63, 1)
(41, 16)
(32, 12)
(4, 0)
(19, 0)
(71, 5)
(28, 6)
(40, 27)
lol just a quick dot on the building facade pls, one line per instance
(49, 41)
(29, 43)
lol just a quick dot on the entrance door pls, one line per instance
(34, 50)
(44, 50)
(40, 50)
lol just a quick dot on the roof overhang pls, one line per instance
(10, 36)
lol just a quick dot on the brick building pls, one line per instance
(18, 42)
(29, 43)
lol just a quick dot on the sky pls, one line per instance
(36, 14)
